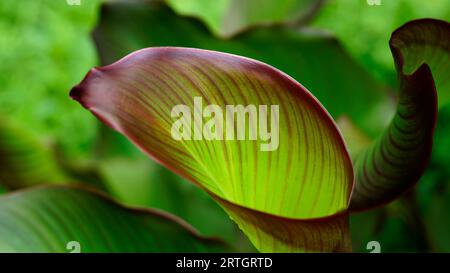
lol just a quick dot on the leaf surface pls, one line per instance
(46, 219)
(397, 160)
(425, 41)
(228, 17)
(300, 184)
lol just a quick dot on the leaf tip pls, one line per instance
(78, 92)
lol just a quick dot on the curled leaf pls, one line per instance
(298, 180)
(425, 41)
(397, 160)
(63, 219)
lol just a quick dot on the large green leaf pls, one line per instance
(50, 219)
(24, 159)
(397, 160)
(227, 17)
(316, 60)
(289, 195)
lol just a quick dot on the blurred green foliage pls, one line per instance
(227, 17)
(45, 48)
(433, 191)
(24, 160)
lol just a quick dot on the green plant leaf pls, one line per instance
(397, 160)
(295, 190)
(307, 56)
(228, 17)
(46, 219)
(24, 159)
(425, 41)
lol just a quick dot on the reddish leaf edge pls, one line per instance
(396, 50)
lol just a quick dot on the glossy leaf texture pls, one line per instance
(58, 218)
(303, 176)
(24, 160)
(398, 159)
(225, 18)
(307, 56)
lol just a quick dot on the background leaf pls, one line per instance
(24, 159)
(45, 219)
(365, 30)
(433, 191)
(227, 17)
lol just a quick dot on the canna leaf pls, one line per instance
(31, 221)
(425, 41)
(287, 194)
(225, 18)
(24, 159)
(397, 160)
